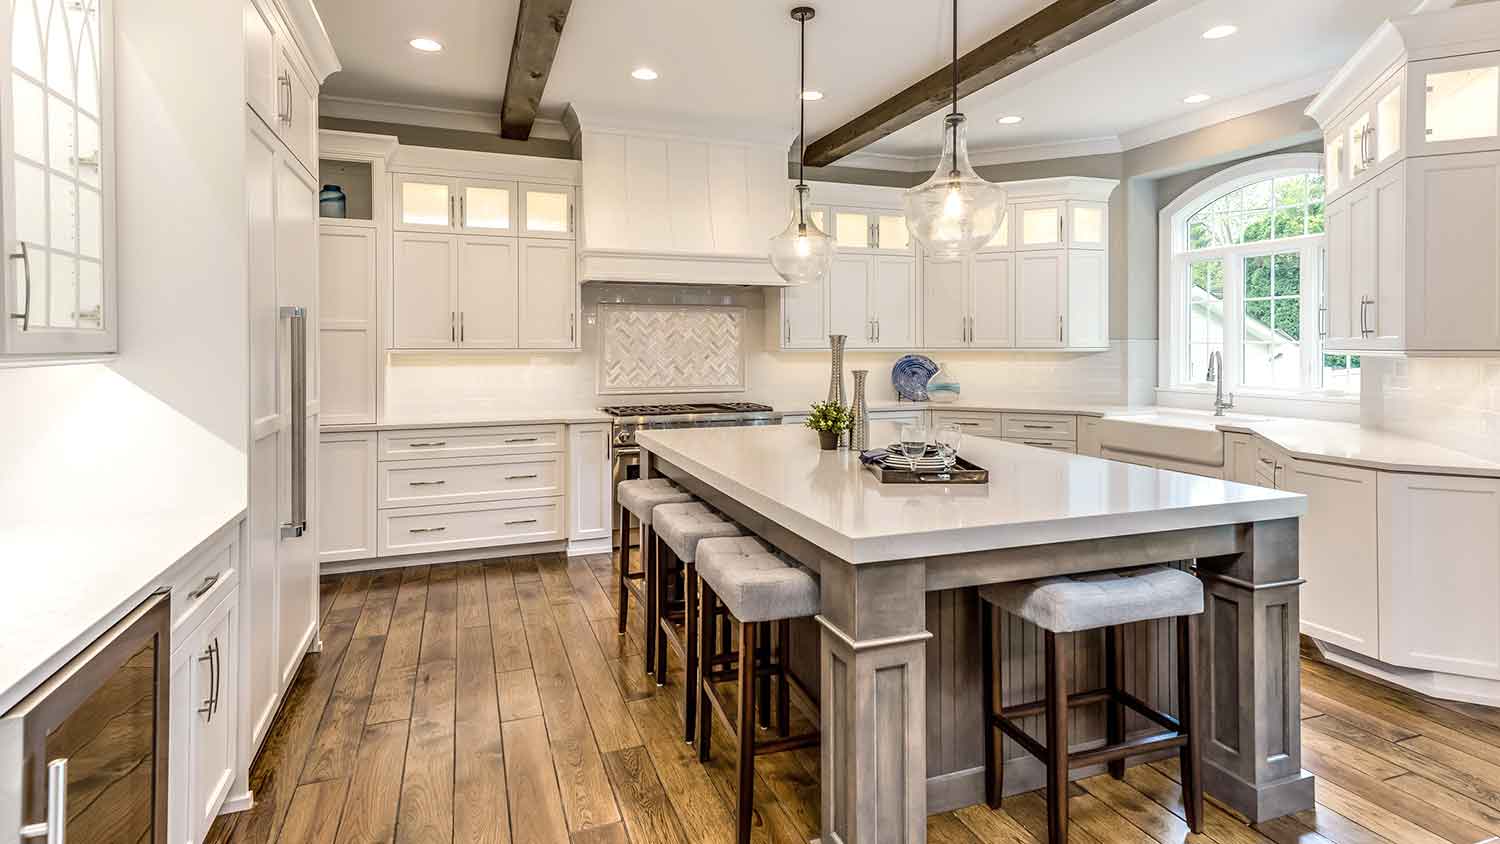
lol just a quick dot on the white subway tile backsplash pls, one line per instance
(1453, 402)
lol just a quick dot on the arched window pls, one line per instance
(1242, 275)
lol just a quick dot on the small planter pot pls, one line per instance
(828, 440)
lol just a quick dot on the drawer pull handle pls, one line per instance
(1265, 462)
(426, 483)
(207, 584)
(522, 440)
(1037, 444)
(520, 477)
(969, 424)
(1038, 427)
(433, 444)
(522, 522)
(426, 530)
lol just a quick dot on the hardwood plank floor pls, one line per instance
(492, 702)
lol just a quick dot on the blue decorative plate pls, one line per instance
(909, 376)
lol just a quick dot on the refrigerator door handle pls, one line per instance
(297, 316)
(54, 829)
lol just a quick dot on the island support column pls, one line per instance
(1248, 663)
(874, 703)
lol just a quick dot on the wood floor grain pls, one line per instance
(493, 703)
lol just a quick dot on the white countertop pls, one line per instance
(1034, 496)
(1370, 448)
(520, 417)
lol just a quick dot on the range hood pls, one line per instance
(673, 200)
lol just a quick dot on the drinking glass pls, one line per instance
(949, 437)
(913, 442)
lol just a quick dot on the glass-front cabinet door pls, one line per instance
(856, 229)
(1039, 225)
(487, 207)
(546, 210)
(425, 204)
(1456, 104)
(1087, 226)
(56, 174)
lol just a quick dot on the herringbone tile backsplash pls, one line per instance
(671, 348)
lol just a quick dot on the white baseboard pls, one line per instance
(582, 548)
(235, 803)
(1436, 684)
(437, 558)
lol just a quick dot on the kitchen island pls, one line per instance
(902, 730)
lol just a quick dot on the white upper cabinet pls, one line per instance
(872, 300)
(991, 292)
(299, 122)
(263, 92)
(280, 87)
(1041, 299)
(1088, 224)
(424, 310)
(1088, 300)
(968, 302)
(482, 208)
(548, 295)
(804, 309)
(546, 210)
(861, 229)
(1040, 225)
(1412, 132)
(57, 178)
(489, 308)
(425, 203)
(945, 302)
(348, 320)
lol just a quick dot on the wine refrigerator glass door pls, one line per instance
(91, 742)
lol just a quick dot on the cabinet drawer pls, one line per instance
(977, 424)
(200, 584)
(1052, 445)
(1038, 426)
(407, 483)
(1268, 464)
(430, 443)
(421, 529)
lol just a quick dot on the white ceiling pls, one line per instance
(732, 60)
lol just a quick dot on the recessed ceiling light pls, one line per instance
(812, 96)
(1196, 98)
(426, 45)
(1221, 31)
(1009, 120)
(645, 74)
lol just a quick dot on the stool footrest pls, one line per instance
(1130, 747)
(1005, 721)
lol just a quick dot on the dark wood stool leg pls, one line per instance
(783, 687)
(763, 680)
(1114, 711)
(1189, 712)
(624, 568)
(1057, 737)
(690, 658)
(994, 740)
(665, 562)
(707, 652)
(648, 565)
(745, 803)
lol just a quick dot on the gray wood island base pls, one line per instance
(899, 668)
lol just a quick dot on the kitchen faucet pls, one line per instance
(1216, 375)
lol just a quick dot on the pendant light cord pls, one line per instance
(802, 120)
(955, 57)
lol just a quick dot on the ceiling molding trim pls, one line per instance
(360, 146)
(460, 120)
(312, 37)
(1232, 109)
(599, 117)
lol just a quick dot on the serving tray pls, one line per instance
(963, 472)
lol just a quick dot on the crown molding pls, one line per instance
(311, 36)
(460, 120)
(1231, 109)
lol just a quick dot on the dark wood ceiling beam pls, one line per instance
(1044, 33)
(539, 26)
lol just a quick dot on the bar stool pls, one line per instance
(750, 586)
(638, 498)
(1062, 606)
(679, 528)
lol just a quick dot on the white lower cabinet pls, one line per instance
(1341, 598)
(204, 744)
(589, 479)
(346, 509)
(448, 527)
(1439, 578)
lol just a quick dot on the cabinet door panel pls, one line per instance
(487, 207)
(488, 294)
(893, 301)
(425, 310)
(299, 126)
(1041, 293)
(1439, 582)
(346, 510)
(945, 312)
(991, 316)
(1039, 225)
(424, 203)
(848, 300)
(347, 334)
(213, 688)
(260, 63)
(1088, 225)
(589, 493)
(1453, 274)
(1387, 318)
(1364, 254)
(546, 210)
(549, 295)
(1088, 299)
(1340, 600)
(802, 316)
(1339, 291)
(1455, 105)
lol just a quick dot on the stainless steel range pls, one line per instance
(630, 418)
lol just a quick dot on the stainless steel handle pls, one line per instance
(460, 326)
(1364, 324)
(430, 444)
(968, 424)
(207, 584)
(286, 85)
(1323, 321)
(426, 530)
(452, 211)
(291, 101)
(425, 483)
(463, 212)
(453, 326)
(1059, 329)
(572, 332)
(24, 256)
(522, 439)
(1039, 427)
(218, 674)
(211, 704)
(1038, 444)
(1266, 461)
(570, 215)
(520, 477)
(1060, 218)
(1374, 147)
(786, 330)
(522, 522)
(54, 828)
(297, 316)
(877, 329)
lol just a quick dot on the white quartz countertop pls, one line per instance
(1034, 496)
(1354, 445)
(579, 416)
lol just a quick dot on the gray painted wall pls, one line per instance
(428, 136)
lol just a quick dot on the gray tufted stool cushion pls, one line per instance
(682, 526)
(1105, 599)
(755, 584)
(640, 497)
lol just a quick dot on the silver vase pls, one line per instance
(836, 377)
(860, 433)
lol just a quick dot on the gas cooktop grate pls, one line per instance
(677, 409)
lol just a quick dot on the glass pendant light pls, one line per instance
(956, 211)
(803, 253)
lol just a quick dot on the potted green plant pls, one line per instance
(829, 419)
